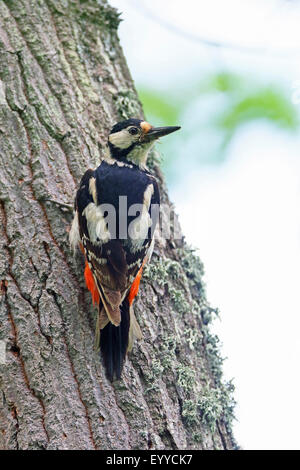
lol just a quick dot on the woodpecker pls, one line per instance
(116, 212)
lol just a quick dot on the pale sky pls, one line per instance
(248, 225)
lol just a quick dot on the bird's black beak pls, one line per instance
(156, 132)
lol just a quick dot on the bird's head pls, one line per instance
(132, 139)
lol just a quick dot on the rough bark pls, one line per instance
(64, 82)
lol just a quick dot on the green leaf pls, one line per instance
(267, 103)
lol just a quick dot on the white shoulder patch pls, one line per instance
(138, 228)
(148, 196)
(96, 224)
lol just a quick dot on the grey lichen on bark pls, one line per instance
(63, 83)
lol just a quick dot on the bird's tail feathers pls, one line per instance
(114, 343)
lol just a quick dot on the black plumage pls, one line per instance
(122, 259)
(114, 343)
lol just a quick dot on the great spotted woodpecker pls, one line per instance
(116, 211)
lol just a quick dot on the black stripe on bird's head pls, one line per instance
(132, 139)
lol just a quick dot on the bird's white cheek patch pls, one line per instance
(74, 236)
(96, 224)
(121, 140)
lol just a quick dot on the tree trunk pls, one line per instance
(63, 83)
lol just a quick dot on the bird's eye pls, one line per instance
(133, 130)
